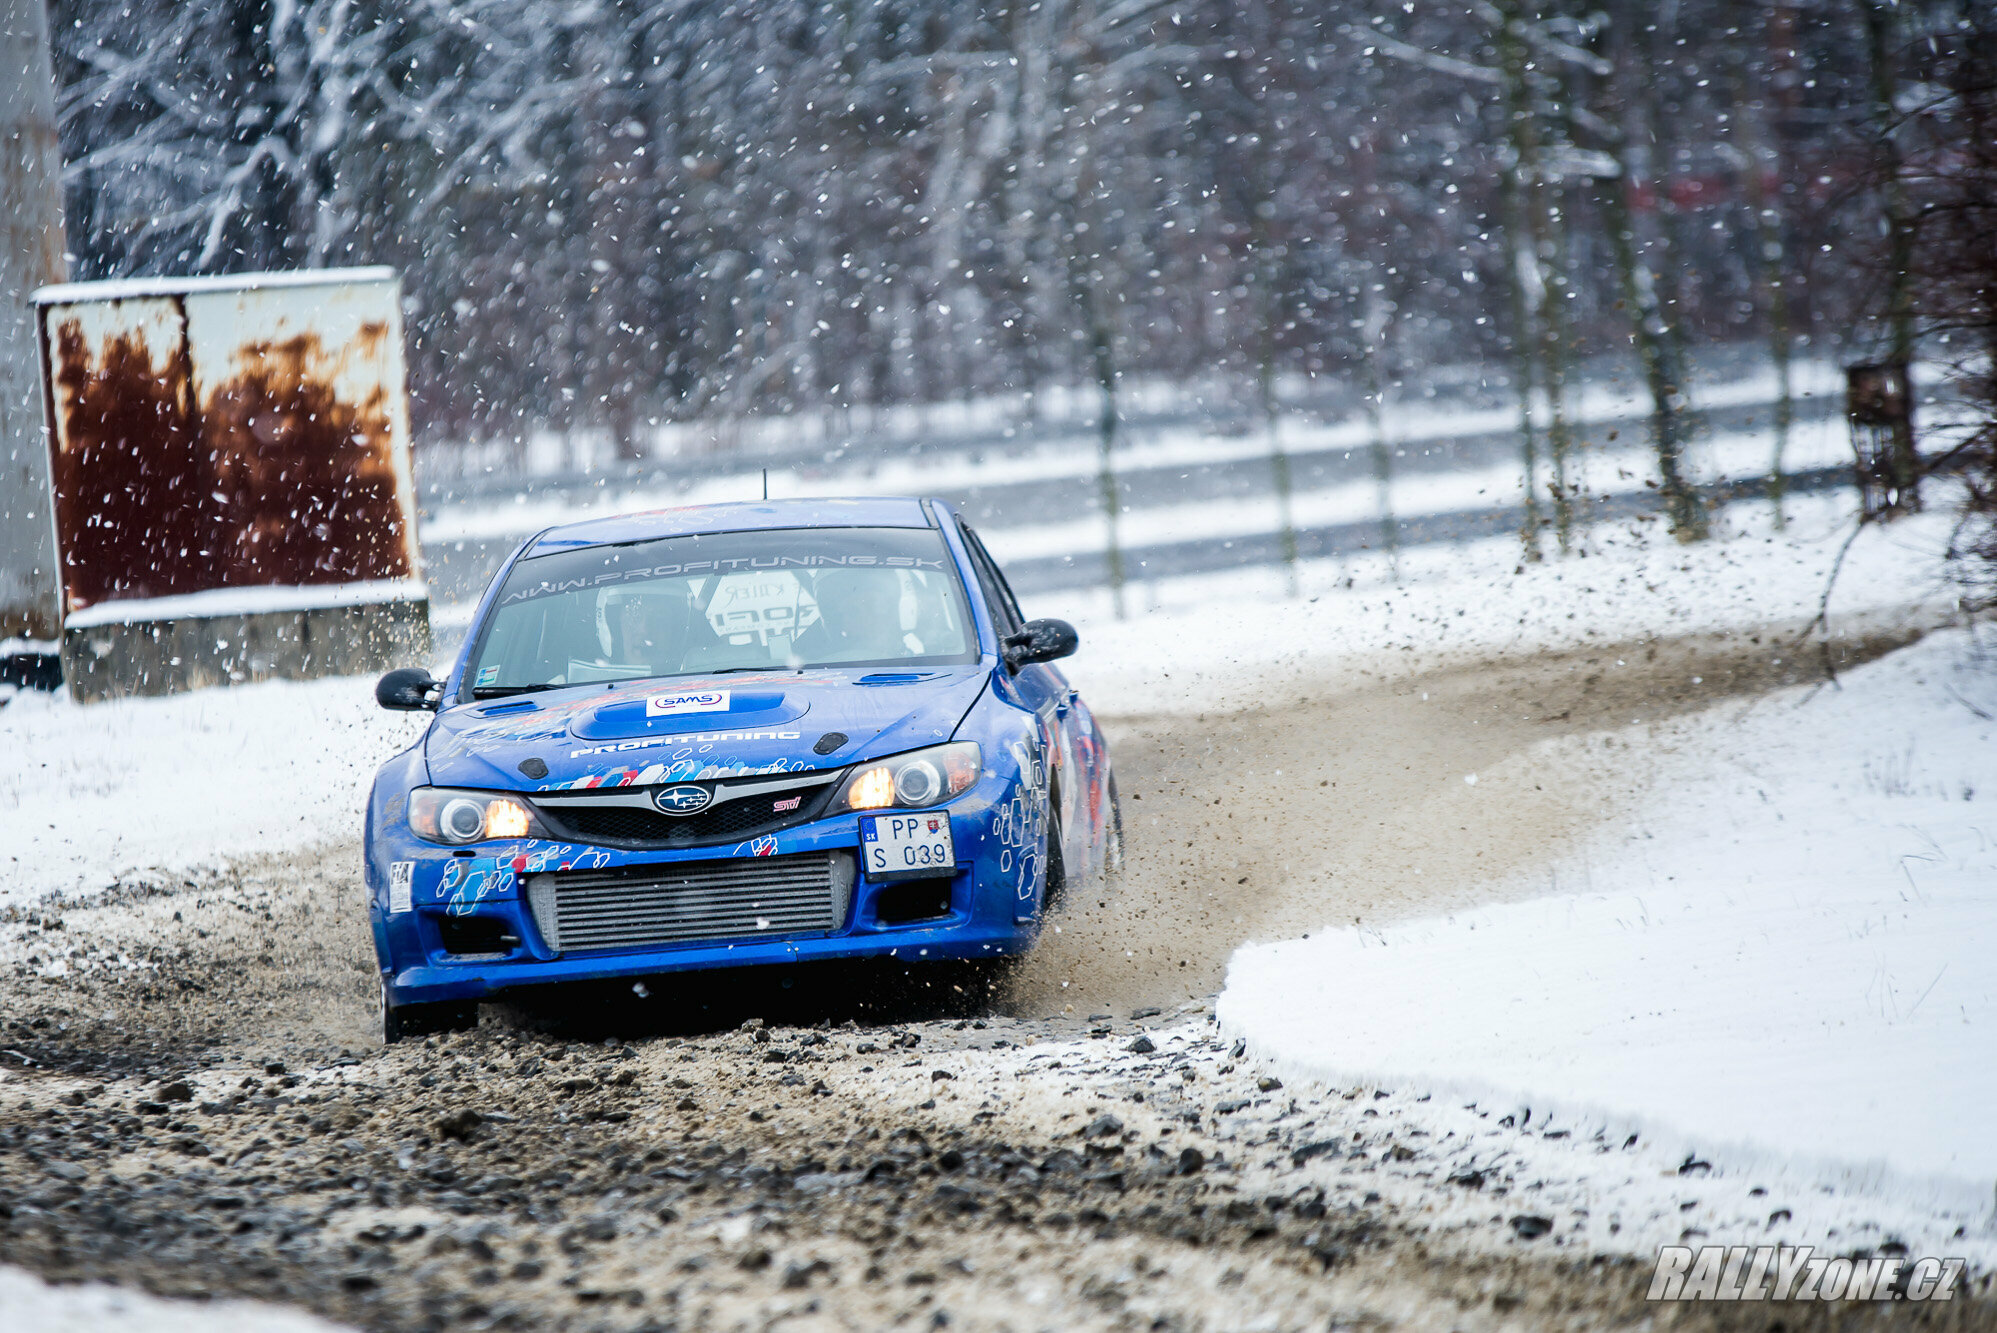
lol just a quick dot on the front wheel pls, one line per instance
(420, 1020)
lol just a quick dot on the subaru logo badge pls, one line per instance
(685, 799)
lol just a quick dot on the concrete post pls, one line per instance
(31, 256)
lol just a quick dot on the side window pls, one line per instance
(998, 577)
(998, 596)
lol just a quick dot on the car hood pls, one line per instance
(692, 729)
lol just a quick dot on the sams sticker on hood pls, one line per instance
(697, 701)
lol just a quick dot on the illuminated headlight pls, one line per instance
(443, 814)
(920, 777)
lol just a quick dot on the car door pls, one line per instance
(1041, 687)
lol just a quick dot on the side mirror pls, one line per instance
(408, 689)
(1038, 641)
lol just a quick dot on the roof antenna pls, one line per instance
(766, 483)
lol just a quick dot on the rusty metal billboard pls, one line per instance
(242, 432)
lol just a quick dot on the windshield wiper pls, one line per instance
(501, 691)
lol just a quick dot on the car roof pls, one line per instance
(748, 515)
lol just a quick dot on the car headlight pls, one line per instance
(448, 815)
(918, 778)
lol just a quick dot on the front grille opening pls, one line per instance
(743, 897)
(477, 934)
(916, 900)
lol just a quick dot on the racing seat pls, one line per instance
(859, 617)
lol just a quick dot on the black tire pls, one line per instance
(1113, 858)
(400, 1021)
(1055, 890)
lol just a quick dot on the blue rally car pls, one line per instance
(729, 735)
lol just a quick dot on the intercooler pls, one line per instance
(635, 907)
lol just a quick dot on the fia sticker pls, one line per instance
(487, 675)
(400, 875)
(674, 705)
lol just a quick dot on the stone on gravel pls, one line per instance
(1310, 1150)
(1142, 1046)
(460, 1124)
(1268, 1083)
(1103, 1126)
(1527, 1226)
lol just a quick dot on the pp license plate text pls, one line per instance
(906, 844)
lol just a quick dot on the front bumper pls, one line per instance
(455, 924)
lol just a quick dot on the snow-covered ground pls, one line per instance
(1784, 967)
(1194, 643)
(1778, 979)
(93, 794)
(34, 1306)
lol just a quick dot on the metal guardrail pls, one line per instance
(1213, 554)
(459, 569)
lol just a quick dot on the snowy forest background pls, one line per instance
(610, 213)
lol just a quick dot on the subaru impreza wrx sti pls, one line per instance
(732, 735)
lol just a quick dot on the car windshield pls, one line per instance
(782, 599)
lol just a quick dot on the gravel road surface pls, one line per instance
(193, 1099)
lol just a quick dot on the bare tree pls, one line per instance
(1760, 162)
(1658, 351)
(1952, 181)
(1882, 53)
(611, 212)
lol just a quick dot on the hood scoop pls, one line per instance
(683, 711)
(586, 736)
